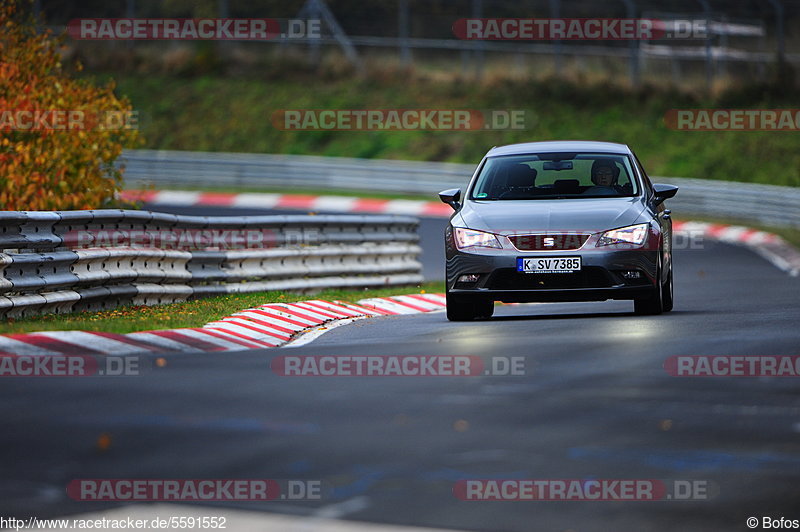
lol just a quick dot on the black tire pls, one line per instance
(464, 308)
(460, 309)
(485, 308)
(649, 307)
(655, 303)
(666, 292)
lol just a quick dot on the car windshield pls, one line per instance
(555, 176)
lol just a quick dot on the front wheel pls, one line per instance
(465, 308)
(655, 303)
(485, 308)
(666, 292)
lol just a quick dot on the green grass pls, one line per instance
(188, 314)
(235, 114)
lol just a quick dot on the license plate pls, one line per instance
(548, 264)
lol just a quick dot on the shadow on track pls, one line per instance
(570, 316)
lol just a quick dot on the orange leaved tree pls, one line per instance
(59, 136)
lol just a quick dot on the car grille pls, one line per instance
(560, 242)
(588, 277)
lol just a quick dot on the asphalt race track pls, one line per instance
(594, 403)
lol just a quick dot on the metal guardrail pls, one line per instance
(93, 260)
(182, 168)
(767, 204)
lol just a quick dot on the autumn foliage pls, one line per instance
(51, 168)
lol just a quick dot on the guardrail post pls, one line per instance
(403, 32)
(778, 6)
(633, 46)
(130, 10)
(555, 12)
(477, 12)
(709, 53)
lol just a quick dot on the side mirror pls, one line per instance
(452, 197)
(663, 192)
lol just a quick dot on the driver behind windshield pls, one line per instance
(605, 173)
(605, 176)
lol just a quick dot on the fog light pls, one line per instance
(632, 274)
(469, 278)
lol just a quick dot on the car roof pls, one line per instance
(560, 145)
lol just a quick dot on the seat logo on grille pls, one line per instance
(549, 242)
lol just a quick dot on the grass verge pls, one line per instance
(233, 114)
(190, 313)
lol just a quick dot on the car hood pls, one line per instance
(580, 215)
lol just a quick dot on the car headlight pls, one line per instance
(633, 234)
(469, 238)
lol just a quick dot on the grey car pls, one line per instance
(558, 221)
